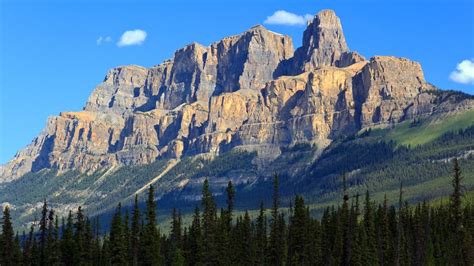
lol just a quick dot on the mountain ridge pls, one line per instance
(238, 109)
(251, 89)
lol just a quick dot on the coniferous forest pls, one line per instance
(358, 232)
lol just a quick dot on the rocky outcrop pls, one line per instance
(196, 72)
(385, 87)
(324, 44)
(248, 91)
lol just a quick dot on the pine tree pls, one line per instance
(88, 252)
(105, 252)
(456, 201)
(383, 233)
(79, 232)
(97, 245)
(456, 216)
(327, 237)
(358, 236)
(298, 235)
(150, 241)
(178, 258)
(261, 237)
(7, 238)
(276, 246)
(314, 249)
(43, 234)
(176, 230)
(127, 236)
(135, 233)
(346, 223)
(28, 247)
(336, 230)
(371, 257)
(117, 249)
(16, 255)
(399, 227)
(195, 240)
(225, 227)
(209, 219)
(52, 245)
(35, 252)
(68, 248)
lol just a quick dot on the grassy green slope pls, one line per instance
(414, 133)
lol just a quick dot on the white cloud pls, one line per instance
(464, 72)
(102, 40)
(282, 17)
(132, 37)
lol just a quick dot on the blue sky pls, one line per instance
(50, 59)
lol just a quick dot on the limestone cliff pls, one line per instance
(249, 90)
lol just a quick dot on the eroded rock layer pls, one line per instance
(249, 90)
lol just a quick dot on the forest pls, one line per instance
(357, 232)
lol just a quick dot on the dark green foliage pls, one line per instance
(150, 241)
(193, 246)
(135, 234)
(378, 235)
(117, 240)
(7, 241)
(260, 238)
(277, 245)
(209, 225)
(299, 235)
(68, 247)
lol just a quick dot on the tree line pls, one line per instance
(358, 232)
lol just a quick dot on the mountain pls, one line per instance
(242, 108)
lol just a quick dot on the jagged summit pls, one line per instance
(249, 91)
(324, 44)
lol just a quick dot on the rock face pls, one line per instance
(324, 44)
(249, 91)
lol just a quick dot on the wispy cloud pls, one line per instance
(282, 17)
(132, 37)
(102, 40)
(464, 72)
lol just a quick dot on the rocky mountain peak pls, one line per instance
(249, 91)
(324, 44)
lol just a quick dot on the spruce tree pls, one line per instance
(79, 233)
(224, 225)
(28, 247)
(150, 242)
(16, 255)
(43, 228)
(209, 225)
(127, 236)
(97, 244)
(68, 248)
(456, 218)
(176, 230)
(135, 233)
(52, 245)
(117, 249)
(298, 238)
(7, 238)
(276, 246)
(383, 234)
(87, 255)
(261, 237)
(105, 252)
(371, 256)
(195, 240)
(346, 223)
(178, 258)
